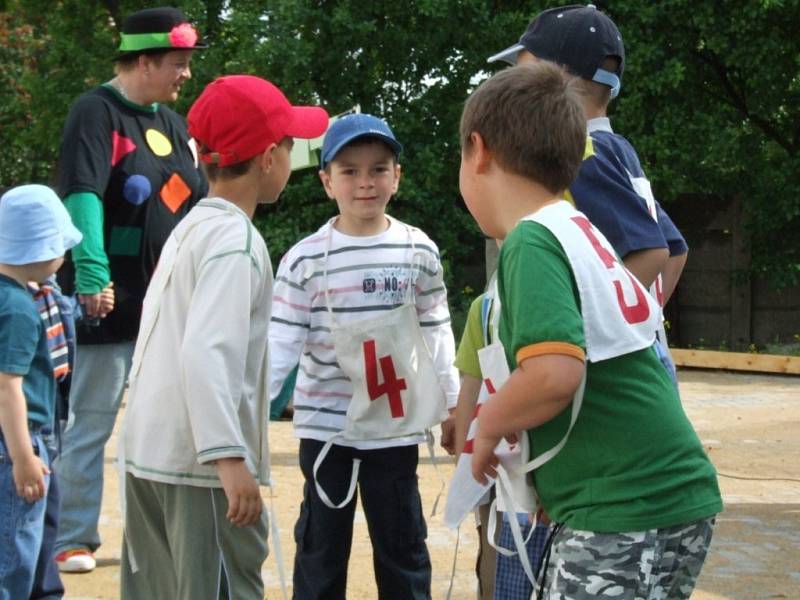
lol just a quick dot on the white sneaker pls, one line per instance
(76, 560)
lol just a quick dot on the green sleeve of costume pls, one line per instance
(92, 272)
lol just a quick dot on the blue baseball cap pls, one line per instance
(351, 127)
(34, 226)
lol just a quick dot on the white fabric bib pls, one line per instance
(464, 493)
(395, 388)
(619, 314)
(642, 187)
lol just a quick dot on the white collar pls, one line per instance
(599, 124)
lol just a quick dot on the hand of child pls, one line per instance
(542, 517)
(91, 304)
(484, 460)
(448, 441)
(241, 490)
(28, 473)
(106, 300)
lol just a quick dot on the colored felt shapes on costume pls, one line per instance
(158, 142)
(120, 147)
(137, 189)
(175, 192)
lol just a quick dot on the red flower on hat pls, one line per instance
(183, 36)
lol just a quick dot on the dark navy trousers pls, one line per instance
(387, 484)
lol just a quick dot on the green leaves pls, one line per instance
(710, 96)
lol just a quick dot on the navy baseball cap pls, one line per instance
(578, 37)
(351, 127)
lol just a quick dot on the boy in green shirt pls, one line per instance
(618, 466)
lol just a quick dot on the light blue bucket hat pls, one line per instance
(34, 226)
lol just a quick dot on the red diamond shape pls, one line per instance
(175, 192)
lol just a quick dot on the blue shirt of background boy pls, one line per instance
(23, 350)
(605, 192)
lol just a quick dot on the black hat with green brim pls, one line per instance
(156, 30)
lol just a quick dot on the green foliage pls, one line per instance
(710, 97)
(711, 100)
(412, 63)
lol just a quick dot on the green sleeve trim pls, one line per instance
(211, 454)
(175, 474)
(221, 449)
(92, 273)
(224, 254)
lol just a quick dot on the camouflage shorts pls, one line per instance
(659, 564)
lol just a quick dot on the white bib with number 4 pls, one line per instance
(396, 391)
(395, 388)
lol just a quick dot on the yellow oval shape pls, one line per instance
(158, 142)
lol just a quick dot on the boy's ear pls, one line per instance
(397, 172)
(267, 158)
(325, 178)
(481, 156)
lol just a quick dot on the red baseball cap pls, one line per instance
(238, 116)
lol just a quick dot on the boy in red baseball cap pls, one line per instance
(194, 443)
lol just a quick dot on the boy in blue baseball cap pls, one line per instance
(35, 232)
(362, 306)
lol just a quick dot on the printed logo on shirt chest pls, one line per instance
(388, 284)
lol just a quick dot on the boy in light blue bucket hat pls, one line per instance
(35, 232)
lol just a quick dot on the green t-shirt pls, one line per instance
(471, 340)
(633, 460)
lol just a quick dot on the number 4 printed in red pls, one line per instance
(391, 386)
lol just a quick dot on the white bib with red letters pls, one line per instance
(619, 314)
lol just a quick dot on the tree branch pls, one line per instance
(738, 101)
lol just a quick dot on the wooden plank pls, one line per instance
(736, 361)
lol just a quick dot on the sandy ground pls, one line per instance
(749, 424)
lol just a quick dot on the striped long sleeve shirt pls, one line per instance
(366, 277)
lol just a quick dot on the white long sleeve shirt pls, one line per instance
(366, 277)
(198, 388)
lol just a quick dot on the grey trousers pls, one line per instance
(184, 546)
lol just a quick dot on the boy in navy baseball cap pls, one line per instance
(611, 188)
(579, 38)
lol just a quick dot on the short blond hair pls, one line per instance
(531, 119)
